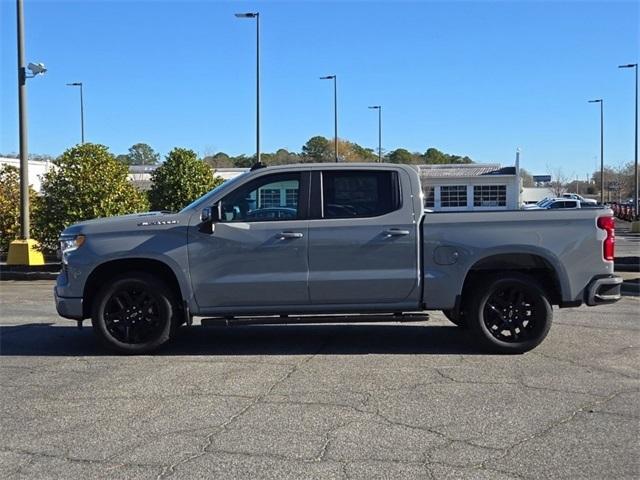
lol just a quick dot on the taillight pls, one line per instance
(608, 247)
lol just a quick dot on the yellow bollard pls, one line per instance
(24, 252)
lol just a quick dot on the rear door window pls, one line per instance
(359, 193)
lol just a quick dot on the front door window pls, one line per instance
(271, 198)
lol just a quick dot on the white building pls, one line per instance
(140, 175)
(470, 186)
(37, 169)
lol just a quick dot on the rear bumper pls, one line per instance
(68, 307)
(604, 289)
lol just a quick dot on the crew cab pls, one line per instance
(314, 240)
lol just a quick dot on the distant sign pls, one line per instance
(541, 178)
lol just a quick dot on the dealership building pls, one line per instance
(472, 186)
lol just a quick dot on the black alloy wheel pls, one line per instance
(512, 314)
(134, 313)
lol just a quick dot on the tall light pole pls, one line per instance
(23, 129)
(21, 251)
(256, 15)
(79, 84)
(601, 102)
(335, 111)
(379, 108)
(635, 163)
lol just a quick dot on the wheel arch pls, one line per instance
(112, 268)
(546, 270)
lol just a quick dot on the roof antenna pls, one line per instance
(257, 166)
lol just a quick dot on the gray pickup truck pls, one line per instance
(310, 241)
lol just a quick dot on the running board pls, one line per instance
(295, 319)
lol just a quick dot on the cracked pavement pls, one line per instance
(356, 401)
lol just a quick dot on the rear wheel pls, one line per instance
(134, 313)
(511, 314)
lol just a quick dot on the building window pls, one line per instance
(490, 196)
(453, 196)
(291, 195)
(429, 196)
(269, 198)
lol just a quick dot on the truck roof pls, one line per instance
(340, 166)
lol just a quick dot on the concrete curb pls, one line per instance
(48, 271)
(28, 275)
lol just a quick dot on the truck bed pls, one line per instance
(455, 243)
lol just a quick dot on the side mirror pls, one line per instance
(211, 214)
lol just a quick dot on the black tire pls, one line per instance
(509, 313)
(457, 320)
(134, 313)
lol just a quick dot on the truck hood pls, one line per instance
(127, 223)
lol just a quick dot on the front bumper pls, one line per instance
(605, 289)
(68, 307)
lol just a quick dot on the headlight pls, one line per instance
(69, 244)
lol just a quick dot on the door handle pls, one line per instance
(396, 232)
(283, 235)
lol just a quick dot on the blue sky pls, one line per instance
(470, 78)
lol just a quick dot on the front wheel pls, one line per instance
(133, 313)
(511, 314)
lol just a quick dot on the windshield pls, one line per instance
(205, 198)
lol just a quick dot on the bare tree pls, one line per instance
(558, 183)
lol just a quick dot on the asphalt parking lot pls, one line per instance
(367, 401)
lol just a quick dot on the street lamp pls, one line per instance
(256, 15)
(379, 108)
(79, 84)
(22, 251)
(601, 102)
(635, 170)
(335, 110)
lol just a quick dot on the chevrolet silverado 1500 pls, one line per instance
(316, 240)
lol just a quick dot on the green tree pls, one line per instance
(86, 182)
(123, 158)
(434, 156)
(242, 161)
(180, 180)
(219, 160)
(364, 154)
(400, 155)
(283, 157)
(317, 149)
(142, 154)
(10, 205)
